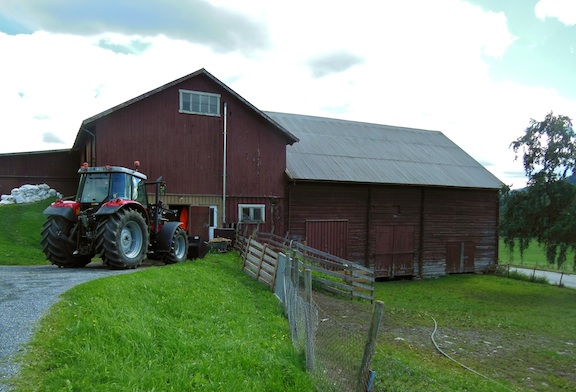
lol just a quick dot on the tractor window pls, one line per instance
(95, 189)
(120, 186)
(140, 191)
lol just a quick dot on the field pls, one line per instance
(534, 257)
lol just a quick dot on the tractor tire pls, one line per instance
(123, 239)
(57, 247)
(178, 248)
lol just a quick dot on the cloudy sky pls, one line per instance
(477, 70)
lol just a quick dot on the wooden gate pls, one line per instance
(394, 254)
(460, 257)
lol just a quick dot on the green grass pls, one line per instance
(519, 334)
(20, 233)
(534, 257)
(194, 326)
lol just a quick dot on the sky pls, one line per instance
(476, 70)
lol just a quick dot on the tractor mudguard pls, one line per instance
(113, 206)
(68, 212)
(165, 236)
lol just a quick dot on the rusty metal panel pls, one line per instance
(329, 236)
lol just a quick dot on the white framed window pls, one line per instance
(196, 102)
(251, 213)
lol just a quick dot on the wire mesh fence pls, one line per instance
(332, 332)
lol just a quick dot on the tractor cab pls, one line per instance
(101, 184)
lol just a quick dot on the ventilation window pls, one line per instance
(195, 102)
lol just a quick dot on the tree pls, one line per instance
(546, 209)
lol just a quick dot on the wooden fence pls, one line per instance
(260, 260)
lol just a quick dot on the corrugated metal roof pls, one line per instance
(348, 151)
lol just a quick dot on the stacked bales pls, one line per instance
(29, 194)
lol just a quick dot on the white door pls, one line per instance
(213, 220)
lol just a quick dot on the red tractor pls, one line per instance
(111, 216)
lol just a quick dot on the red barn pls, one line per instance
(407, 202)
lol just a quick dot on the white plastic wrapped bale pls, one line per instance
(29, 194)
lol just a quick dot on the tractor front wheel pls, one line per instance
(179, 247)
(58, 247)
(123, 239)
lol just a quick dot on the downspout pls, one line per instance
(224, 166)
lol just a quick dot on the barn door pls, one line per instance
(460, 257)
(330, 236)
(200, 221)
(394, 254)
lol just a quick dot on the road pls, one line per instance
(553, 277)
(26, 293)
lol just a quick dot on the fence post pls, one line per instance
(309, 322)
(364, 375)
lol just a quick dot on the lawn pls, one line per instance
(195, 326)
(20, 233)
(534, 257)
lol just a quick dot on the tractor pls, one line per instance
(111, 216)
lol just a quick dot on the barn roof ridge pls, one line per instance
(291, 138)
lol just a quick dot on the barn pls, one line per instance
(406, 202)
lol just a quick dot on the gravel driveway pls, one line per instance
(26, 292)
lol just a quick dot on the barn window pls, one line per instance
(251, 213)
(196, 102)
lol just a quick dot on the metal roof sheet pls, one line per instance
(348, 151)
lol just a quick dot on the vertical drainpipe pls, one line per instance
(224, 166)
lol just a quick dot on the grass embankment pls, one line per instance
(517, 333)
(20, 233)
(195, 326)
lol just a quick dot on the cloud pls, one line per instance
(330, 63)
(135, 46)
(51, 138)
(563, 10)
(195, 21)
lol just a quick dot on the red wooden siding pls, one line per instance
(402, 230)
(58, 169)
(394, 251)
(187, 149)
(330, 203)
(329, 236)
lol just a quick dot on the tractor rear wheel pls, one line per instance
(57, 246)
(123, 239)
(178, 248)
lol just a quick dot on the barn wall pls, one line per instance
(443, 221)
(318, 202)
(187, 149)
(58, 169)
(458, 216)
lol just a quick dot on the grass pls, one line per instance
(520, 335)
(200, 325)
(534, 257)
(20, 233)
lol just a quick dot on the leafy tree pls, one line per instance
(546, 208)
